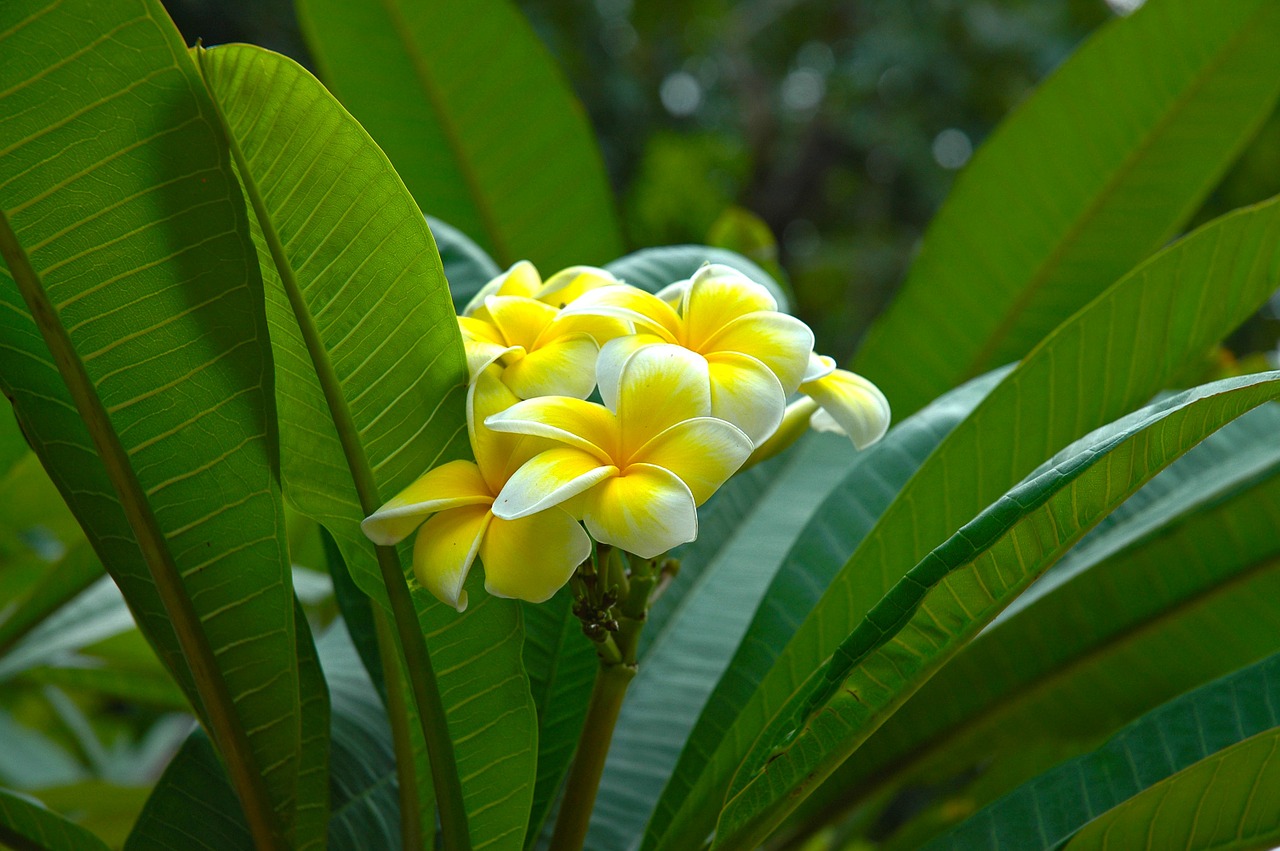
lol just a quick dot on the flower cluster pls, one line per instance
(693, 384)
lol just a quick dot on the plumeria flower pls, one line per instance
(835, 400)
(636, 468)
(515, 322)
(755, 355)
(528, 558)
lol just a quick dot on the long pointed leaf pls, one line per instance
(25, 825)
(1057, 670)
(1095, 366)
(371, 392)
(944, 601)
(473, 112)
(1098, 169)
(1191, 728)
(135, 304)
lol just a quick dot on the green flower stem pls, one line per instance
(617, 654)
(588, 763)
(398, 718)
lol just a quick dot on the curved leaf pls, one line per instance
(653, 268)
(1187, 730)
(26, 825)
(562, 667)
(475, 115)
(944, 601)
(1095, 366)
(466, 267)
(821, 548)
(144, 378)
(1058, 669)
(382, 358)
(1084, 180)
(1227, 800)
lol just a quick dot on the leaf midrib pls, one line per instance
(1050, 264)
(215, 695)
(920, 755)
(466, 168)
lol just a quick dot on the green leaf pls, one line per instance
(1084, 180)
(73, 573)
(945, 600)
(475, 115)
(1094, 367)
(562, 666)
(734, 564)
(192, 806)
(25, 825)
(466, 267)
(134, 347)
(821, 548)
(372, 396)
(1167, 740)
(653, 268)
(1046, 680)
(1227, 800)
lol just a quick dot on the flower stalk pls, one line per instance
(614, 592)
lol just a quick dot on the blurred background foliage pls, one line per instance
(820, 135)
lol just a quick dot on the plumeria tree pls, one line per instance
(616, 558)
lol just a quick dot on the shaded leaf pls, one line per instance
(957, 589)
(1080, 183)
(26, 825)
(478, 120)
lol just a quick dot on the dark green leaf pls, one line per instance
(1187, 730)
(127, 236)
(25, 825)
(1094, 367)
(384, 361)
(945, 600)
(1098, 169)
(466, 266)
(475, 115)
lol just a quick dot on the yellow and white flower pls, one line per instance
(834, 400)
(755, 355)
(515, 322)
(528, 558)
(635, 469)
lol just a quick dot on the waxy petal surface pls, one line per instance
(564, 367)
(851, 405)
(660, 386)
(457, 483)
(520, 320)
(649, 312)
(613, 356)
(716, 296)
(585, 425)
(746, 393)
(548, 479)
(779, 341)
(647, 511)
(533, 557)
(565, 286)
(703, 453)
(445, 548)
(498, 455)
(522, 279)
